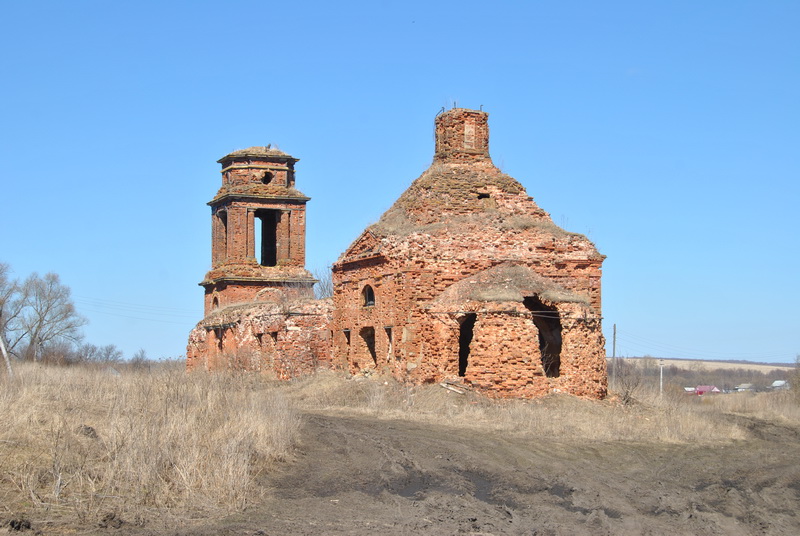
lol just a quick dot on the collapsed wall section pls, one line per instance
(285, 338)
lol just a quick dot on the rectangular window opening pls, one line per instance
(389, 343)
(368, 336)
(266, 236)
(223, 240)
(219, 332)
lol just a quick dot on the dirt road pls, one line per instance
(361, 476)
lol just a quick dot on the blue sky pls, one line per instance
(667, 132)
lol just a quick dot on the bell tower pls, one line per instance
(258, 228)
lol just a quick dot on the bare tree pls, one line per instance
(90, 353)
(324, 286)
(47, 315)
(140, 361)
(5, 357)
(10, 309)
(12, 303)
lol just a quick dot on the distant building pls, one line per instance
(779, 385)
(706, 390)
(744, 387)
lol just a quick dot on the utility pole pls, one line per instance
(661, 380)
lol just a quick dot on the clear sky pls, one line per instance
(668, 132)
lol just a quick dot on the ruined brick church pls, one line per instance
(464, 279)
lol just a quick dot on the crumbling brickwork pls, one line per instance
(259, 308)
(472, 282)
(257, 229)
(463, 279)
(283, 337)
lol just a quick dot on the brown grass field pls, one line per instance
(710, 365)
(86, 451)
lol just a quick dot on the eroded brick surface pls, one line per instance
(284, 337)
(259, 311)
(463, 279)
(451, 265)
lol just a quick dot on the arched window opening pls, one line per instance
(267, 178)
(368, 296)
(464, 340)
(215, 303)
(548, 323)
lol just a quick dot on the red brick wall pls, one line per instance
(258, 178)
(462, 218)
(286, 338)
(504, 358)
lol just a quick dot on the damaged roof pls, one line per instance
(507, 283)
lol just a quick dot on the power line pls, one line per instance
(134, 311)
(112, 304)
(648, 345)
(119, 315)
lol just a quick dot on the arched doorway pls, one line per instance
(548, 322)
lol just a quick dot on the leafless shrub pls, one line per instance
(139, 360)
(324, 286)
(628, 381)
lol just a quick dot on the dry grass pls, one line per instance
(80, 443)
(781, 407)
(83, 441)
(672, 418)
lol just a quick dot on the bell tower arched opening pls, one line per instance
(258, 230)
